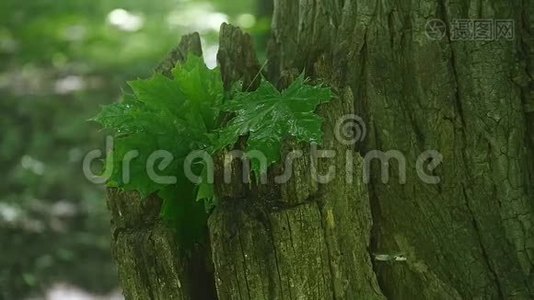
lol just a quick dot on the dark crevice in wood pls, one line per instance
(485, 255)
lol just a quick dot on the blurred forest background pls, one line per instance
(59, 61)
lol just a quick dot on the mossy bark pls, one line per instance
(469, 237)
(472, 235)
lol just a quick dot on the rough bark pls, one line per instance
(469, 237)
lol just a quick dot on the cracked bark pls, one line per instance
(465, 99)
(469, 237)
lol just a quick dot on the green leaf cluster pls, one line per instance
(181, 114)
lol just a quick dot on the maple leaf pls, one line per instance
(268, 116)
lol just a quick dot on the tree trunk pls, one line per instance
(469, 236)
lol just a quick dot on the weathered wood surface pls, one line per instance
(296, 240)
(472, 235)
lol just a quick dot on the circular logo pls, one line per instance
(350, 129)
(435, 29)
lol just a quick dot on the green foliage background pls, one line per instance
(59, 61)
